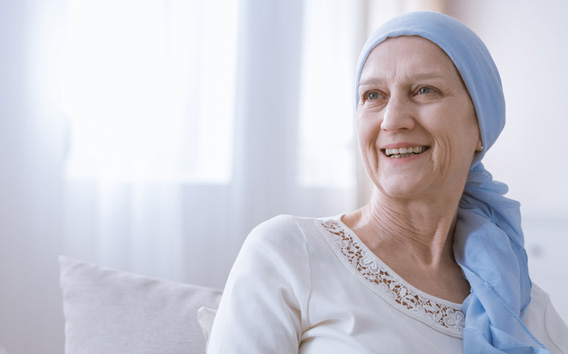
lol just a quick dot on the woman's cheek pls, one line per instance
(368, 129)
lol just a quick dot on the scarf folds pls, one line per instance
(488, 241)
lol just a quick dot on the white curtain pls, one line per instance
(192, 122)
(149, 89)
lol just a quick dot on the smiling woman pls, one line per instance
(415, 120)
(437, 254)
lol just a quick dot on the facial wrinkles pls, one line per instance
(397, 76)
(451, 157)
(457, 101)
(384, 78)
(405, 70)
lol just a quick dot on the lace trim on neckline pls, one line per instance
(372, 269)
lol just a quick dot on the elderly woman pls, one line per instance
(435, 262)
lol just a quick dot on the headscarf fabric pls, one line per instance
(488, 240)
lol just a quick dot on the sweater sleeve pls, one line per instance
(264, 304)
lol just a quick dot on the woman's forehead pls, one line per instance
(413, 55)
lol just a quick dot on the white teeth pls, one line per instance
(405, 152)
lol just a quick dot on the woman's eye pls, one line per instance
(373, 96)
(424, 90)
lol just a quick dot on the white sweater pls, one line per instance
(303, 285)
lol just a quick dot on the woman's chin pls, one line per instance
(401, 191)
(416, 187)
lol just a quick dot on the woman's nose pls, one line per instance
(397, 115)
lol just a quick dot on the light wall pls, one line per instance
(32, 149)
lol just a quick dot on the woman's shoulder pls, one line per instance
(284, 228)
(280, 223)
(287, 237)
(545, 323)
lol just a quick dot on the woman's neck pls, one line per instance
(423, 228)
(415, 239)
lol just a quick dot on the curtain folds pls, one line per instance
(230, 150)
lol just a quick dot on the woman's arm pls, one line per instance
(264, 304)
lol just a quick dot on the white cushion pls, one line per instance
(110, 311)
(205, 318)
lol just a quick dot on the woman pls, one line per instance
(435, 262)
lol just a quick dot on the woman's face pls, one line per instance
(416, 123)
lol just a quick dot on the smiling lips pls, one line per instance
(405, 151)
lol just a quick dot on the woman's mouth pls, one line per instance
(405, 152)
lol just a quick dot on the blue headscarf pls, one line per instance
(488, 240)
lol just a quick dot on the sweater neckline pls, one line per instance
(440, 314)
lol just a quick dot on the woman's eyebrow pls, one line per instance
(371, 81)
(417, 76)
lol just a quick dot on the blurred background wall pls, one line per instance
(291, 147)
(31, 188)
